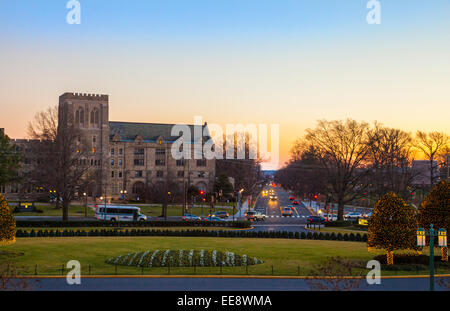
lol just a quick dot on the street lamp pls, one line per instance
(85, 204)
(421, 237)
(442, 234)
(432, 233)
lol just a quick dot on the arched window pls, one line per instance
(95, 117)
(79, 117)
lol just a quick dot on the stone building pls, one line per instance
(128, 157)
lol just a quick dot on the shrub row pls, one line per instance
(156, 223)
(408, 259)
(196, 233)
(339, 223)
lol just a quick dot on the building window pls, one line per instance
(2, 189)
(112, 151)
(120, 151)
(120, 162)
(94, 139)
(160, 152)
(139, 151)
(201, 163)
(139, 162)
(120, 174)
(79, 117)
(160, 162)
(112, 162)
(95, 117)
(112, 174)
(159, 174)
(138, 173)
(180, 174)
(180, 162)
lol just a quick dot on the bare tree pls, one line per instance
(432, 145)
(63, 165)
(303, 174)
(342, 150)
(247, 171)
(337, 274)
(390, 159)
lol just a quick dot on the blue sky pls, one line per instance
(289, 62)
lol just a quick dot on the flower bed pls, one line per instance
(183, 258)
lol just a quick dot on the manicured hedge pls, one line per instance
(193, 233)
(339, 223)
(112, 224)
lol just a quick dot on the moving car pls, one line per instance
(295, 202)
(352, 216)
(221, 214)
(291, 207)
(190, 217)
(273, 197)
(291, 198)
(315, 220)
(254, 215)
(119, 213)
(286, 211)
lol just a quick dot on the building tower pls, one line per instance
(90, 114)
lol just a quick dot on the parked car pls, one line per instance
(255, 216)
(352, 216)
(315, 220)
(190, 217)
(286, 211)
(221, 214)
(212, 218)
(330, 217)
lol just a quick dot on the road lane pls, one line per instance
(223, 284)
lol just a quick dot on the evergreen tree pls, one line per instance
(435, 209)
(7, 223)
(393, 225)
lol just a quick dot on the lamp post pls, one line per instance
(239, 202)
(85, 204)
(432, 233)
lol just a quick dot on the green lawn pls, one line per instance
(49, 254)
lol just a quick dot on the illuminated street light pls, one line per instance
(421, 237)
(432, 233)
(442, 234)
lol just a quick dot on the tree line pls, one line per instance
(344, 159)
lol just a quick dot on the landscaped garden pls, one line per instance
(287, 257)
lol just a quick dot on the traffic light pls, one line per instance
(316, 197)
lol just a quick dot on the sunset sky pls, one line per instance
(231, 61)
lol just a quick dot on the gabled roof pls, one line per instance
(150, 132)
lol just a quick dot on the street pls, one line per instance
(161, 283)
(275, 221)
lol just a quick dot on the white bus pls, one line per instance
(119, 213)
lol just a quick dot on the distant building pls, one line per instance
(129, 156)
(421, 171)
